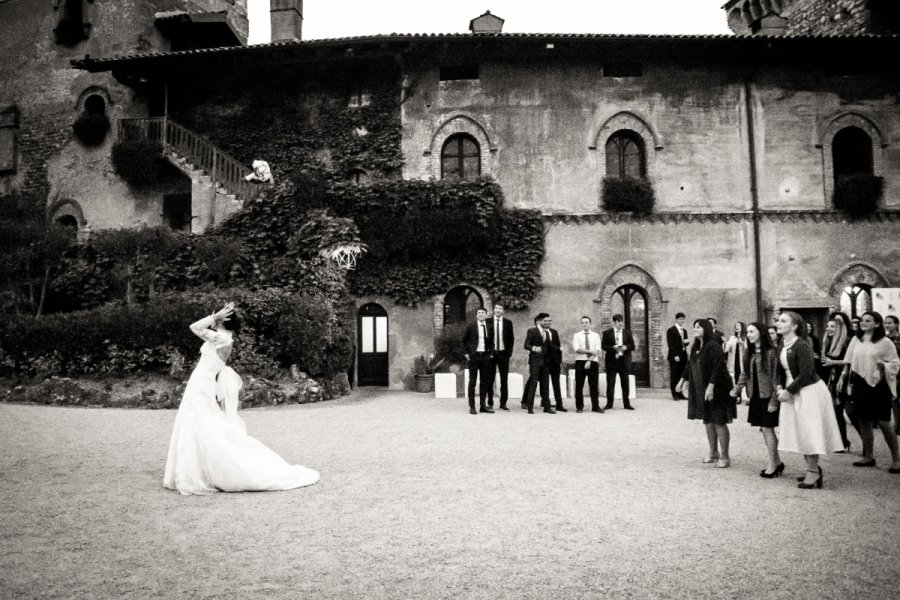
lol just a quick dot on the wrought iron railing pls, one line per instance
(224, 170)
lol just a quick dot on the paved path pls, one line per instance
(419, 499)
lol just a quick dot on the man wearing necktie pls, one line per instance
(618, 345)
(503, 345)
(479, 342)
(586, 344)
(538, 343)
(676, 340)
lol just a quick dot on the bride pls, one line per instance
(210, 450)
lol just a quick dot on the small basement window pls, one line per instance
(622, 69)
(458, 72)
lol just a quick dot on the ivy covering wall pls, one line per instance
(423, 237)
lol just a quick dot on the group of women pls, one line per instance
(800, 387)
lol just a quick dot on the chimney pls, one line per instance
(769, 24)
(486, 23)
(287, 20)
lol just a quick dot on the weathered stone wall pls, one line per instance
(804, 17)
(827, 17)
(53, 166)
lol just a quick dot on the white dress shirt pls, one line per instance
(482, 333)
(498, 334)
(592, 343)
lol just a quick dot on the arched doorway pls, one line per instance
(372, 344)
(460, 305)
(631, 301)
(645, 307)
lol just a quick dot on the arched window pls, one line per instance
(856, 299)
(460, 157)
(625, 155)
(460, 305)
(358, 177)
(70, 223)
(95, 105)
(851, 152)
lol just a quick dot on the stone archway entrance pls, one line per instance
(632, 291)
(851, 288)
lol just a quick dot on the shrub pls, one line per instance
(311, 335)
(449, 348)
(138, 162)
(91, 129)
(628, 194)
(858, 195)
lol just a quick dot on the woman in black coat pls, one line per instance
(710, 391)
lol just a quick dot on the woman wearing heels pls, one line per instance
(756, 379)
(873, 364)
(806, 419)
(710, 397)
(837, 338)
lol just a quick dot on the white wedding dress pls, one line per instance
(210, 450)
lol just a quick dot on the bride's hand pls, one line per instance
(224, 313)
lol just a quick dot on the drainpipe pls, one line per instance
(754, 194)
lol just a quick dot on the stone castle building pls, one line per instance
(744, 139)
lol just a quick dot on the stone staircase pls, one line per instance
(218, 187)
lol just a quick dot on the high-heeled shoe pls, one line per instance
(818, 483)
(776, 473)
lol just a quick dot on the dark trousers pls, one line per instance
(553, 376)
(675, 371)
(500, 363)
(591, 370)
(537, 374)
(617, 367)
(480, 367)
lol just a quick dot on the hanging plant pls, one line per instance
(858, 195)
(628, 194)
(137, 162)
(91, 129)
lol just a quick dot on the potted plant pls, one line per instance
(858, 195)
(423, 370)
(628, 194)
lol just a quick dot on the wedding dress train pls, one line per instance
(210, 450)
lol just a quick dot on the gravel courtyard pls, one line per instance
(419, 499)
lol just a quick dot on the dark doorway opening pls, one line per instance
(372, 345)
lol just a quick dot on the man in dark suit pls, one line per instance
(502, 330)
(537, 342)
(676, 340)
(554, 363)
(479, 342)
(618, 344)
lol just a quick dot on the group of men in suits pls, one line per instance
(489, 343)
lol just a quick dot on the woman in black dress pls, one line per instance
(757, 379)
(710, 392)
(833, 352)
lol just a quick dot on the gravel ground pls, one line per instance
(419, 499)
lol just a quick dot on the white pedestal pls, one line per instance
(632, 392)
(444, 385)
(514, 381)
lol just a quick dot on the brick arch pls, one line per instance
(93, 90)
(627, 121)
(64, 207)
(462, 123)
(853, 273)
(826, 137)
(633, 274)
(438, 303)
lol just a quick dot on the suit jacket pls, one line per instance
(608, 342)
(675, 342)
(554, 355)
(508, 337)
(535, 338)
(765, 374)
(470, 338)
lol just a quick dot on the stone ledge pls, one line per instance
(782, 216)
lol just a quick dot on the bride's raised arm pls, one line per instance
(202, 328)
